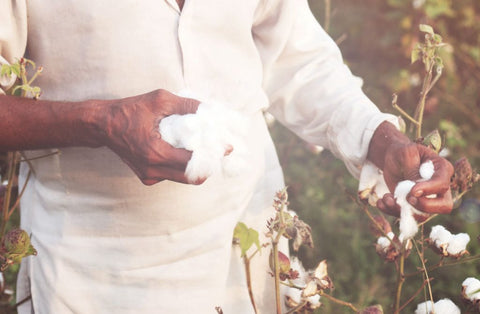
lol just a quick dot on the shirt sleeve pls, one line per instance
(13, 35)
(311, 90)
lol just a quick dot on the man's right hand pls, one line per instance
(131, 130)
(128, 126)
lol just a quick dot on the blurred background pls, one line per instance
(376, 38)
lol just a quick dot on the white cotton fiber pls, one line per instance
(458, 243)
(426, 170)
(314, 300)
(294, 294)
(454, 243)
(439, 235)
(208, 134)
(424, 308)
(444, 306)
(472, 288)
(408, 224)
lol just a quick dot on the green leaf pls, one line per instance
(415, 55)
(426, 29)
(246, 237)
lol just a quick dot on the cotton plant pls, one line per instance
(395, 245)
(304, 289)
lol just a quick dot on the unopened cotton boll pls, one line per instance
(208, 133)
(458, 243)
(472, 288)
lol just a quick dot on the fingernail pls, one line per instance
(418, 193)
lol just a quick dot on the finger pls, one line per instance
(440, 181)
(388, 205)
(157, 174)
(437, 205)
(188, 105)
(176, 158)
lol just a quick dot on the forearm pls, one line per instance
(384, 136)
(39, 124)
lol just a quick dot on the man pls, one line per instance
(108, 243)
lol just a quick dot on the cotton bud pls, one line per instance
(374, 309)
(433, 140)
(283, 261)
(17, 246)
(17, 241)
(464, 176)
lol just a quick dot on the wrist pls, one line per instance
(384, 138)
(92, 122)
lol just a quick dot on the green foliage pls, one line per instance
(246, 237)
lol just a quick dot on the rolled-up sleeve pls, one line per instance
(311, 90)
(13, 34)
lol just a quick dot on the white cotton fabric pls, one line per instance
(108, 244)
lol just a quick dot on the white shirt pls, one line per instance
(108, 244)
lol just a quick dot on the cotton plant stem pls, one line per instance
(421, 104)
(277, 270)
(400, 281)
(328, 9)
(17, 201)
(424, 269)
(246, 262)
(298, 307)
(333, 299)
(415, 294)
(402, 112)
(12, 166)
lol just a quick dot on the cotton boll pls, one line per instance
(301, 280)
(426, 170)
(424, 308)
(439, 235)
(472, 288)
(446, 306)
(314, 301)
(384, 243)
(458, 243)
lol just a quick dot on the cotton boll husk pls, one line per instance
(446, 306)
(439, 235)
(426, 170)
(472, 288)
(458, 243)
(424, 308)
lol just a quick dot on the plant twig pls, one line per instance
(415, 294)
(347, 304)
(246, 262)
(400, 280)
